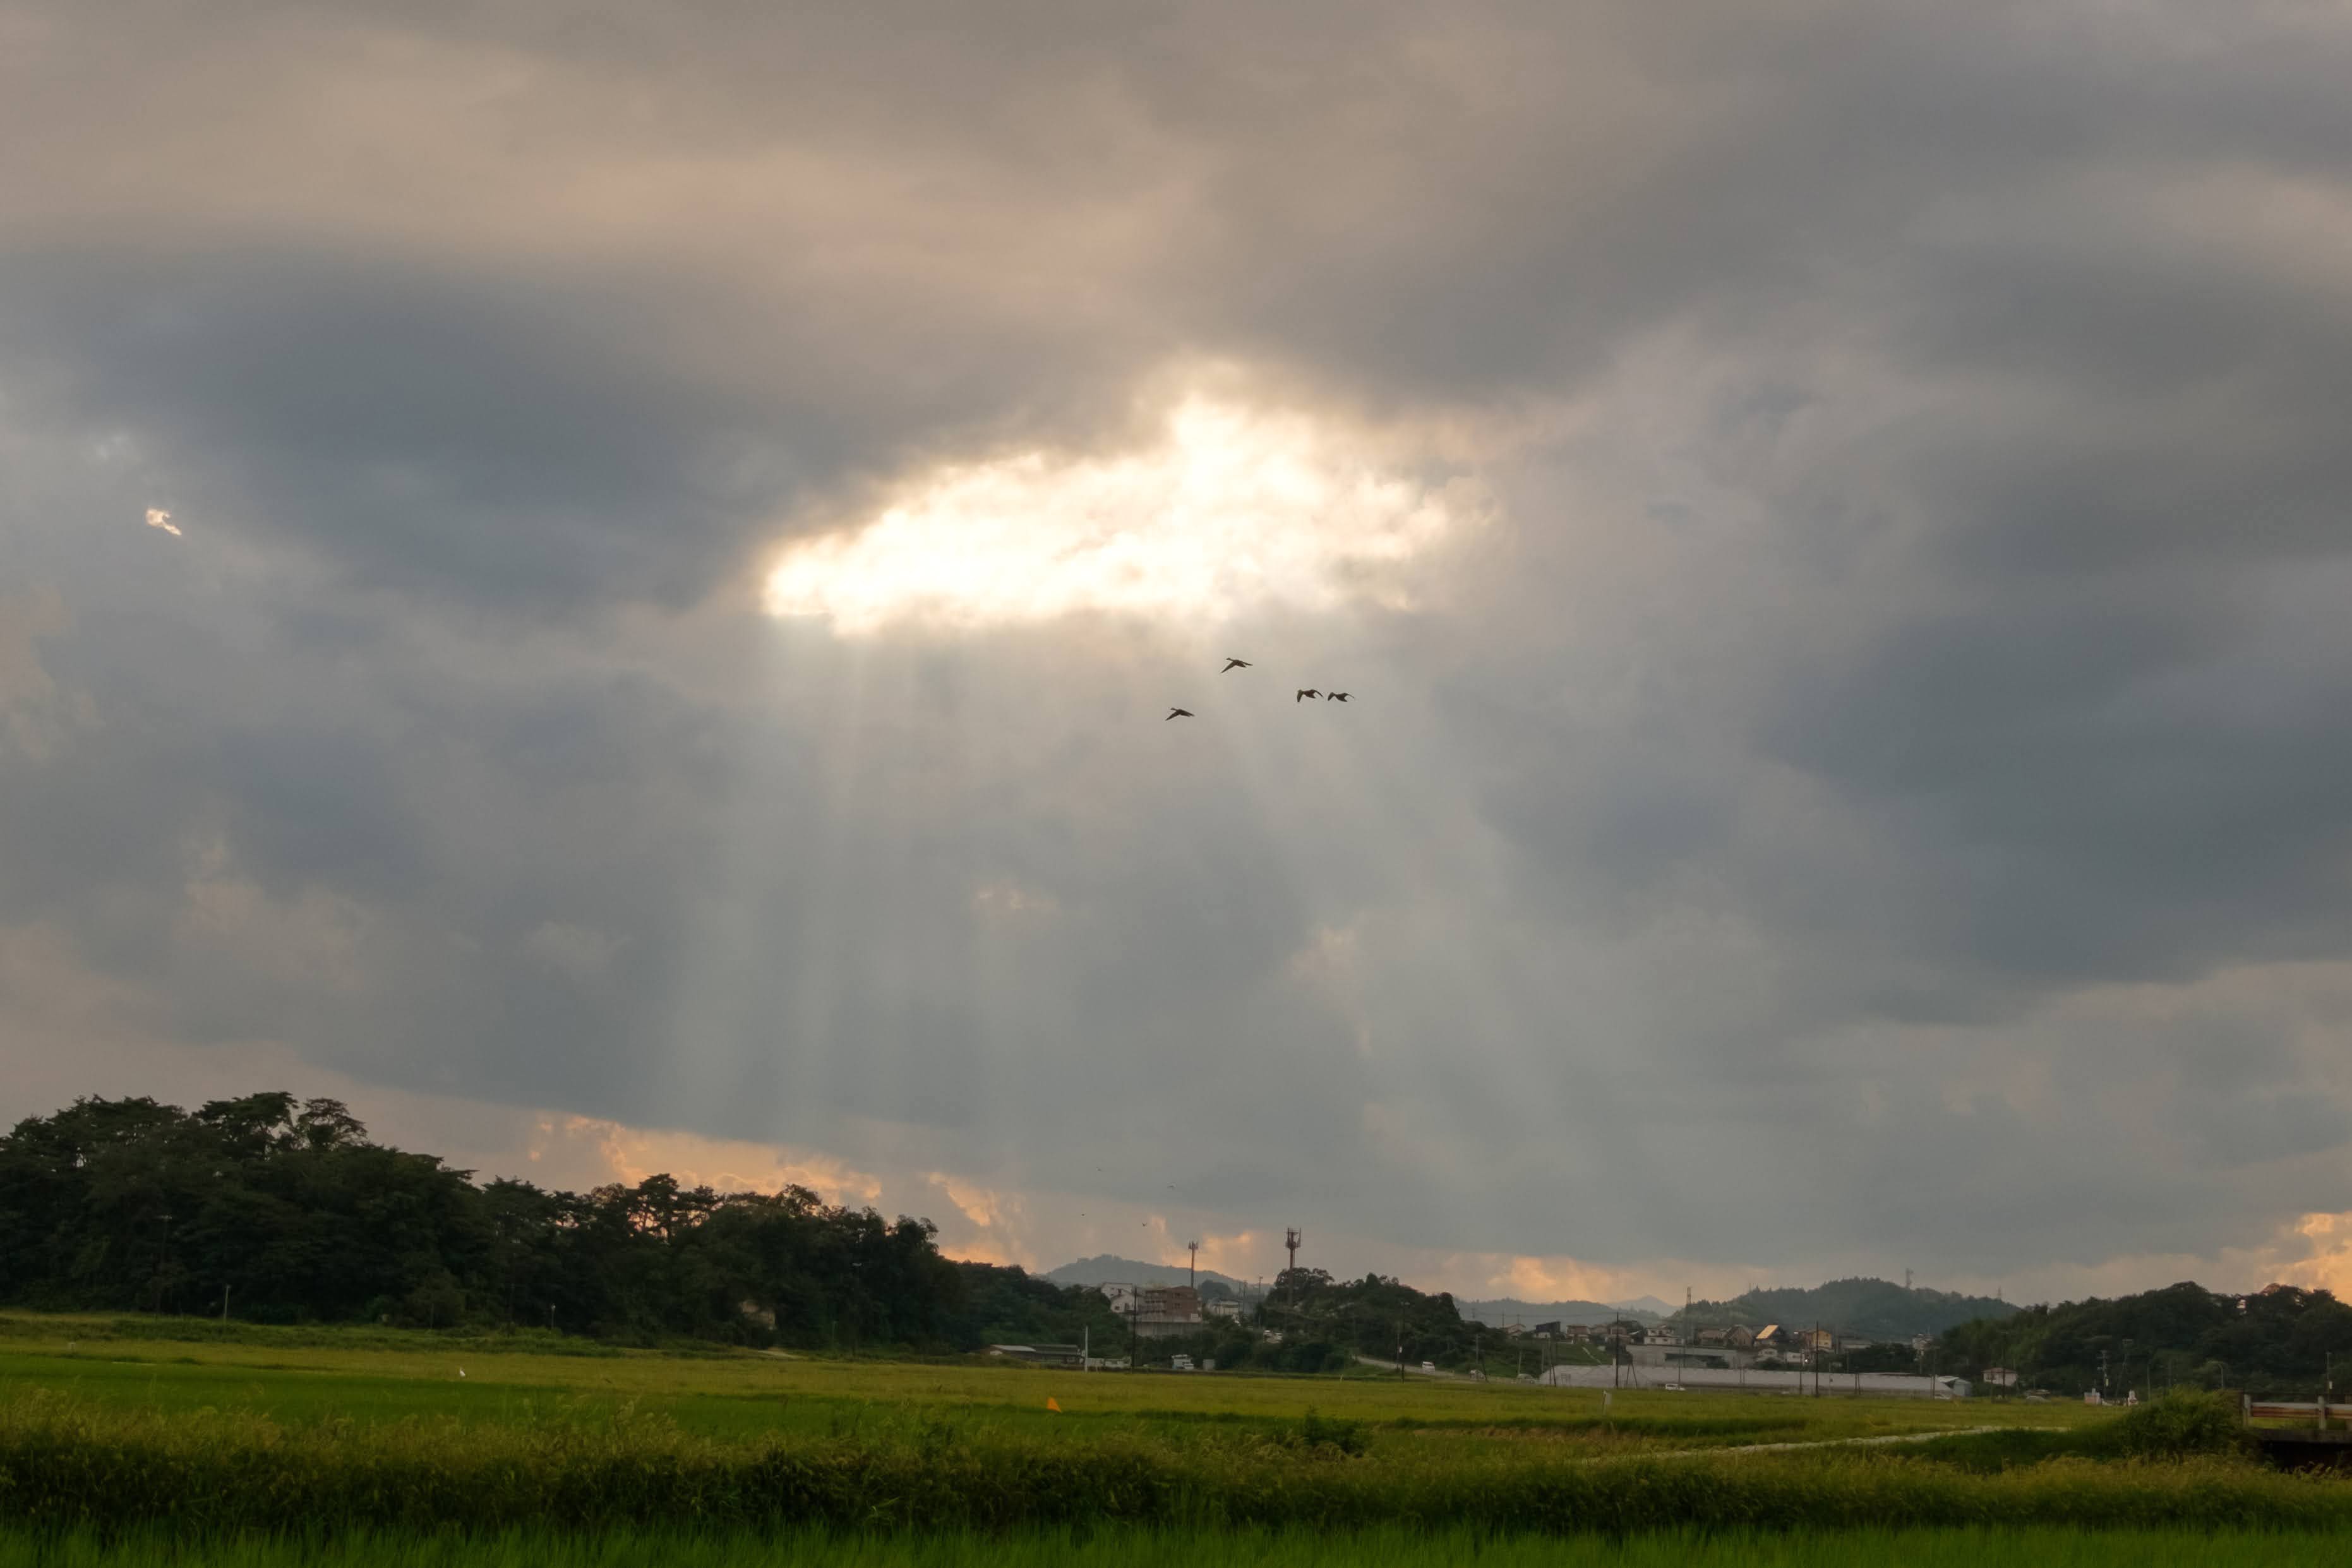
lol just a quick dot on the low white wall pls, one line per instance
(1759, 1380)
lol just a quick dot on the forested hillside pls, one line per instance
(2277, 1342)
(291, 1210)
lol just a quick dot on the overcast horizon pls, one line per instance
(602, 583)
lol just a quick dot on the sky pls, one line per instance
(600, 581)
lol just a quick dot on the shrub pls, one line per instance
(1339, 1435)
(2181, 1423)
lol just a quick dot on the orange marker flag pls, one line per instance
(1054, 1405)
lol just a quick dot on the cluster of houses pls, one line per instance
(1152, 1312)
(1167, 1311)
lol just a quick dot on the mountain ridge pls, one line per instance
(1109, 1268)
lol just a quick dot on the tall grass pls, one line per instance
(1961, 1548)
(68, 1466)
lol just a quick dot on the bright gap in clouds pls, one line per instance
(1230, 509)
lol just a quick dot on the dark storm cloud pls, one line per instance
(493, 435)
(1910, 624)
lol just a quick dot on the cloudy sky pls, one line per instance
(601, 580)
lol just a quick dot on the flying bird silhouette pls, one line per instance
(1335, 696)
(1304, 693)
(1179, 713)
(1232, 664)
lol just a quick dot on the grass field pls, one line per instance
(375, 1447)
(306, 1376)
(1963, 1548)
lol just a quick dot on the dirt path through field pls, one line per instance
(1837, 1442)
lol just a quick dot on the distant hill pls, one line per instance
(1511, 1310)
(1106, 1270)
(1878, 1308)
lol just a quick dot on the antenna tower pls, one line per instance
(1193, 1270)
(1290, 1241)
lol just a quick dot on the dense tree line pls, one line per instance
(285, 1210)
(1879, 1309)
(2277, 1343)
(1327, 1323)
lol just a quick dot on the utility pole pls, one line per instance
(223, 1303)
(162, 1257)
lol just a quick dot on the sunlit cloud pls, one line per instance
(1229, 510)
(2330, 1266)
(978, 1203)
(730, 1164)
(157, 518)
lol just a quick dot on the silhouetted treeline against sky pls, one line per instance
(286, 1207)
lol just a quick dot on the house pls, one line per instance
(1663, 1334)
(1161, 1311)
(1770, 1335)
(1739, 1336)
(1548, 1330)
(1041, 1355)
(1222, 1309)
(1157, 1311)
(1713, 1337)
(1576, 1333)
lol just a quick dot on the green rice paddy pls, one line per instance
(236, 1446)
